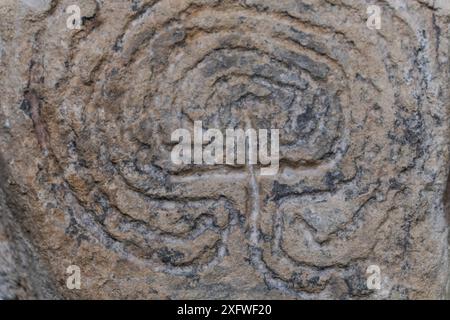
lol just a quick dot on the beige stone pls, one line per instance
(85, 123)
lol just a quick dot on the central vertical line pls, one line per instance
(254, 205)
(253, 193)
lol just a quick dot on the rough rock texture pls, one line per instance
(85, 171)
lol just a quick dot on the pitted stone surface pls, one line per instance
(87, 115)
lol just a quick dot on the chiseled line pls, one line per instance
(254, 213)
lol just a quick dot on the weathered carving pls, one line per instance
(363, 119)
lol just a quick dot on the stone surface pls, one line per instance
(86, 177)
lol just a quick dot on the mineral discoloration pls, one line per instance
(363, 119)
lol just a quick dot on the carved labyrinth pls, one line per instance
(233, 64)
